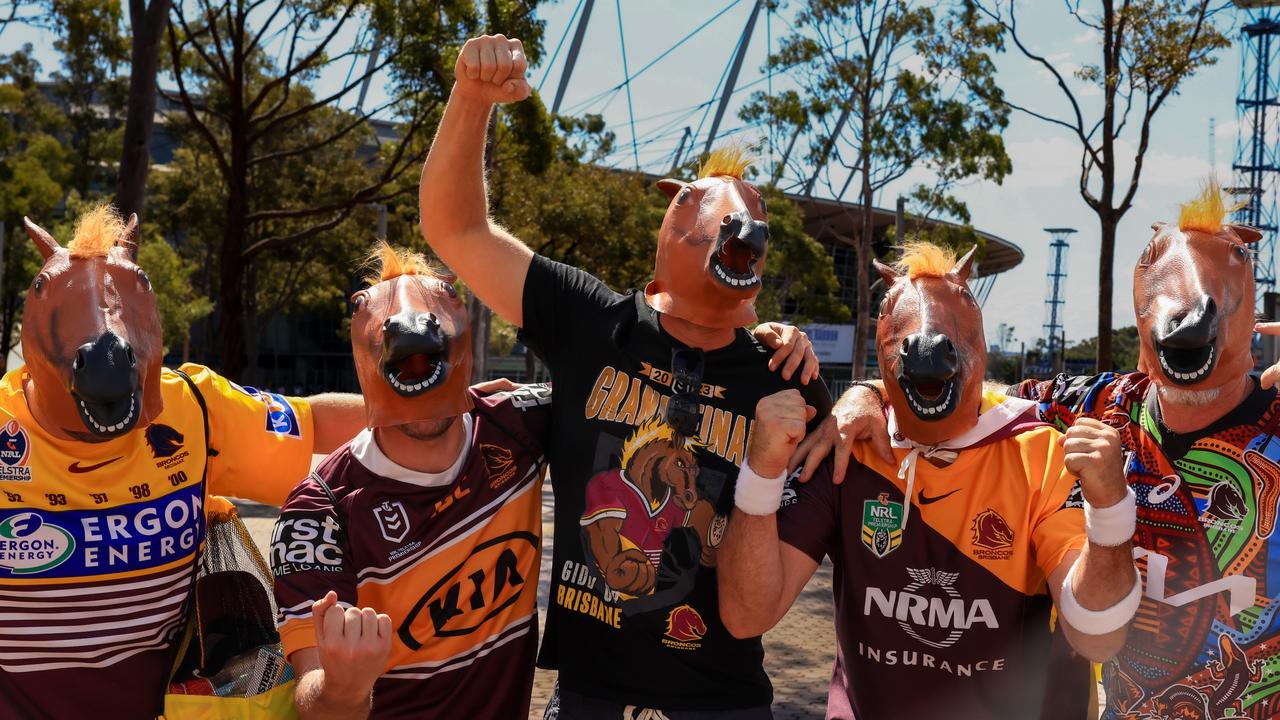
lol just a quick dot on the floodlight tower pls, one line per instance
(1054, 304)
(1256, 165)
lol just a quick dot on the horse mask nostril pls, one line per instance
(78, 364)
(128, 353)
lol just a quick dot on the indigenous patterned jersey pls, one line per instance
(942, 605)
(97, 539)
(454, 565)
(1205, 641)
(634, 614)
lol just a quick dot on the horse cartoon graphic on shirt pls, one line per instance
(649, 505)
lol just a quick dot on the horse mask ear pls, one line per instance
(670, 186)
(1247, 233)
(965, 265)
(888, 274)
(129, 239)
(43, 240)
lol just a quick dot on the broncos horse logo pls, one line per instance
(164, 440)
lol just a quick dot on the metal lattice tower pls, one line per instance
(1055, 303)
(1256, 164)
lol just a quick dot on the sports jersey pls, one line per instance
(646, 523)
(621, 626)
(1204, 642)
(97, 540)
(941, 602)
(454, 565)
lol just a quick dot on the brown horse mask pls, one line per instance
(411, 342)
(712, 246)
(91, 332)
(930, 342)
(1193, 291)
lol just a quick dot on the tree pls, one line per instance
(35, 168)
(800, 283)
(171, 277)
(1148, 48)
(148, 22)
(264, 128)
(887, 88)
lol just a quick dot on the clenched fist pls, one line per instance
(630, 572)
(1093, 454)
(777, 431)
(354, 644)
(491, 69)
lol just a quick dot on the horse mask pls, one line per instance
(1193, 296)
(91, 332)
(712, 246)
(930, 342)
(411, 342)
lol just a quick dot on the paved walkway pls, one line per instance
(798, 653)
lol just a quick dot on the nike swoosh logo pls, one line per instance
(925, 499)
(75, 467)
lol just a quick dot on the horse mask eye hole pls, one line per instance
(38, 284)
(1242, 253)
(144, 280)
(449, 288)
(358, 302)
(684, 194)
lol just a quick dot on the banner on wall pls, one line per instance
(833, 344)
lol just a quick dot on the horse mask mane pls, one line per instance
(1193, 291)
(930, 343)
(712, 245)
(91, 332)
(411, 341)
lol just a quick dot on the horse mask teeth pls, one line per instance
(97, 374)
(712, 247)
(1193, 290)
(930, 343)
(411, 342)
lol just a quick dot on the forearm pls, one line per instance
(1103, 577)
(335, 419)
(318, 701)
(452, 196)
(751, 575)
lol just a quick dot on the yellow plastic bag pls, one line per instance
(276, 703)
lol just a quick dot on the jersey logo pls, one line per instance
(76, 467)
(926, 500)
(992, 536)
(930, 609)
(499, 463)
(15, 451)
(281, 418)
(685, 628)
(393, 520)
(166, 446)
(29, 545)
(881, 525)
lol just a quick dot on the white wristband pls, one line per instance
(1112, 526)
(1098, 622)
(758, 495)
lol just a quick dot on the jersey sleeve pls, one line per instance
(309, 557)
(604, 499)
(261, 442)
(1058, 510)
(808, 517)
(1064, 398)
(560, 301)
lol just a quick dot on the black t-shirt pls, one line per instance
(633, 615)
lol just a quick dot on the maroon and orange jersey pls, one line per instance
(646, 524)
(948, 613)
(454, 565)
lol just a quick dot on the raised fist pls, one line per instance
(778, 429)
(491, 68)
(354, 644)
(630, 572)
(1093, 454)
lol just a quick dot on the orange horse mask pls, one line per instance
(91, 332)
(712, 246)
(930, 343)
(411, 342)
(1193, 293)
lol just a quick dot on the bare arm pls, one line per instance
(760, 576)
(1103, 577)
(452, 197)
(354, 644)
(336, 418)
(319, 700)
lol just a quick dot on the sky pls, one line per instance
(674, 92)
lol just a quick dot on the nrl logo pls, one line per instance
(881, 525)
(393, 520)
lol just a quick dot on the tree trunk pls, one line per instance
(149, 24)
(479, 339)
(230, 300)
(1106, 261)
(862, 326)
